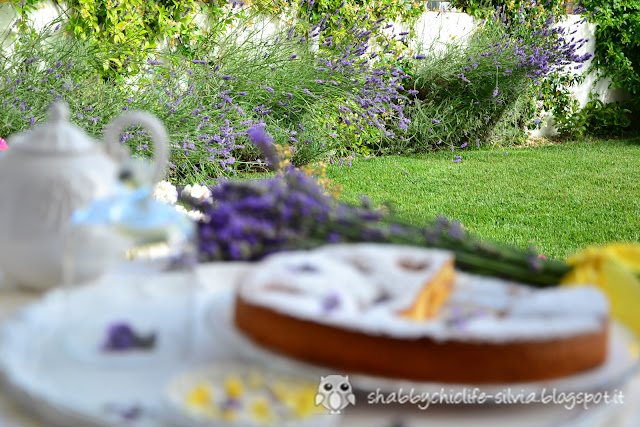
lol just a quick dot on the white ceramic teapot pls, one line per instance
(46, 175)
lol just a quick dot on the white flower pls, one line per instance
(197, 191)
(193, 214)
(157, 250)
(165, 192)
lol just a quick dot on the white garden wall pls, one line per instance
(432, 29)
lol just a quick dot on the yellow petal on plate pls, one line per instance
(612, 269)
(233, 387)
(261, 410)
(304, 404)
(200, 396)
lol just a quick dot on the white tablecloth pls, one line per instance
(626, 414)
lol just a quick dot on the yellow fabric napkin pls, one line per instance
(615, 268)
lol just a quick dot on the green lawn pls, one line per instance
(558, 198)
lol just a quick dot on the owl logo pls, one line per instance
(335, 393)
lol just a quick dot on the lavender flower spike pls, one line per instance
(263, 141)
(122, 337)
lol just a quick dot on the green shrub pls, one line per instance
(46, 67)
(599, 119)
(129, 30)
(556, 98)
(126, 31)
(486, 8)
(459, 95)
(208, 97)
(617, 54)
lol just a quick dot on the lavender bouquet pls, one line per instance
(247, 220)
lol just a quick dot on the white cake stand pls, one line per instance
(622, 362)
(74, 383)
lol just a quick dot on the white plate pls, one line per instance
(622, 363)
(56, 370)
(73, 385)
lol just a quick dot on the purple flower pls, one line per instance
(198, 62)
(330, 302)
(263, 141)
(464, 79)
(269, 89)
(126, 412)
(121, 337)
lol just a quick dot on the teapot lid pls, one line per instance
(58, 135)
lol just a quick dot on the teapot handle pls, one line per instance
(156, 130)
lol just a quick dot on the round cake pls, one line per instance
(404, 312)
